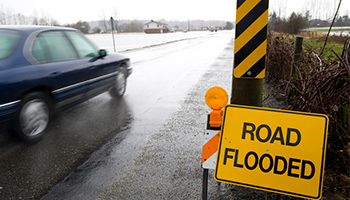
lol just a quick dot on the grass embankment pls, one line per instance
(320, 84)
(315, 41)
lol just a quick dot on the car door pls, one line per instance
(59, 63)
(101, 72)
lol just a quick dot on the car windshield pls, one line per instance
(8, 42)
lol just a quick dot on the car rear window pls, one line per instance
(8, 42)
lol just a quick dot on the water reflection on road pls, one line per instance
(73, 134)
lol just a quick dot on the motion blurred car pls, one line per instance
(44, 69)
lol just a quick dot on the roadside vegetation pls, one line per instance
(315, 80)
(319, 84)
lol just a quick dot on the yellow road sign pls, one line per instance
(251, 38)
(275, 150)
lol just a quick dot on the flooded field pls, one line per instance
(130, 41)
(344, 31)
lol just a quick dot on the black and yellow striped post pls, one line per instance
(250, 52)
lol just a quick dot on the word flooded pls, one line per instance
(266, 163)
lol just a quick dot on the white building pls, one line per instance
(155, 27)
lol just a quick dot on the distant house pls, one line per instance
(156, 27)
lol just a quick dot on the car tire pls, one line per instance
(119, 86)
(33, 117)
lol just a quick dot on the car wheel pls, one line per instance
(119, 86)
(33, 117)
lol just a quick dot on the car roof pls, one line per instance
(32, 28)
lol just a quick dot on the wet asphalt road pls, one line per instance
(145, 146)
(29, 171)
(109, 132)
(159, 158)
(160, 155)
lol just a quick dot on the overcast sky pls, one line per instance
(71, 11)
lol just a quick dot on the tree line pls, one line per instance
(10, 18)
(103, 25)
(297, 22)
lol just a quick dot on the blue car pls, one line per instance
(44, 69)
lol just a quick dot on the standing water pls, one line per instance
(131, 41)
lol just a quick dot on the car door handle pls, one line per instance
(93, 67)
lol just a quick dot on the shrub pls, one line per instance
(321, 84)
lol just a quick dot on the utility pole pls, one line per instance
(250, 53)
(188, 24)
(247, 92)
(112, 25)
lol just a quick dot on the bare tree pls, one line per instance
(21, 19)
(321, 9)
(328, 9)
(282, 7)
(46, 19)
(10, 17)
(2, 16)
(279, 7)
(35, 20)
(115, 14)
(312, 6)
(103, 22)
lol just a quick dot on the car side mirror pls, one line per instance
(102, 53)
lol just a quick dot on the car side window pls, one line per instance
(84, 47)
(8, 43)
(52, 46)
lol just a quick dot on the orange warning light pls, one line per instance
(216, 98)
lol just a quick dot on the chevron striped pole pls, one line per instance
(250, 52)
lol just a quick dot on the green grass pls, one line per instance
(317, 44)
